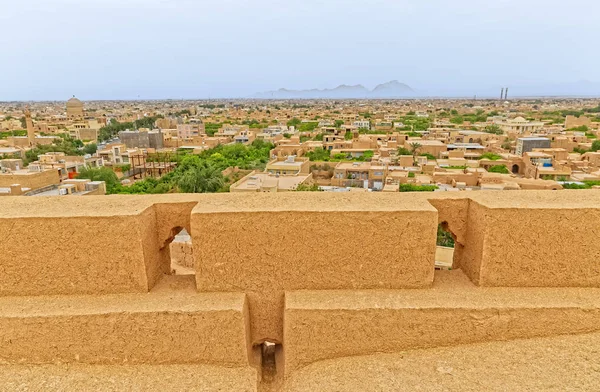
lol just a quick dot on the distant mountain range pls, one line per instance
(395, 89)
(392, 89)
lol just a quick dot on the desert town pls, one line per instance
(299, 196)
(106, 147)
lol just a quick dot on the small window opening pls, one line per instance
(444, 251)
(182, 256)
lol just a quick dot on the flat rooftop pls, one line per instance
(354, 165)
(285, 163)
(258, 180)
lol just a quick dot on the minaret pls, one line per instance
(30, 131)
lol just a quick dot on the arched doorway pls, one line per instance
(515, 169)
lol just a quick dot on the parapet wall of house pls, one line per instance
(322, 274)
(264, 243)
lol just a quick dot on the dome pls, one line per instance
(74, 103)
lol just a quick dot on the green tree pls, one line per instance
(200, 176)
(101, 174)
(308, 188)
(62, 143)
(403, 151)
(414, 149)
(318, 154)
(495, 129)
(212, 128)
(499, 169)
(444, 238)
(294, 122)
(595, 146)
(308, 126)
(90, 148)
(457, 120)
(582, 128)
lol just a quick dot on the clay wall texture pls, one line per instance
(131, 328)
(543, 239)
(326, 275)
(32, 180)
(274, 251)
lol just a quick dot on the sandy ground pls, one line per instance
(126, 378)
(564, 363)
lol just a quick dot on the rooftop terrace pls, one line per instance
(301, 291)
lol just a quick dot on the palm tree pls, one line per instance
(201, 178)
(414, 148)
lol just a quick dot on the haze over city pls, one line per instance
(155, 49)
(299, 195)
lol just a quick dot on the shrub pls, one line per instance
(101, 174)
(491, 156)
(499, 169)
(417, 188)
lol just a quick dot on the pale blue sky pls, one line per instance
(122, 49)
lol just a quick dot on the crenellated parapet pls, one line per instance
(314, 275)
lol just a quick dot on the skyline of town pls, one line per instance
(300, 195)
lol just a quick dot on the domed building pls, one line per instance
(74, 109)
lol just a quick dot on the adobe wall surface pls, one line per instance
(532, 238)
(33, 180)
(331, 324)
(182, 254)
(85, 245)
(153, 328)
(558, 363)
(72, 255)
(326, 275)
(147, 378)
(312, 245)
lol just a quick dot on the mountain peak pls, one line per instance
(393, 84)
(389, 89)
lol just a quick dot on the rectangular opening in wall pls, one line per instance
(271, 365)
(444, 251)
(182, 257)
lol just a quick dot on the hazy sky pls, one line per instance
(113, 49)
